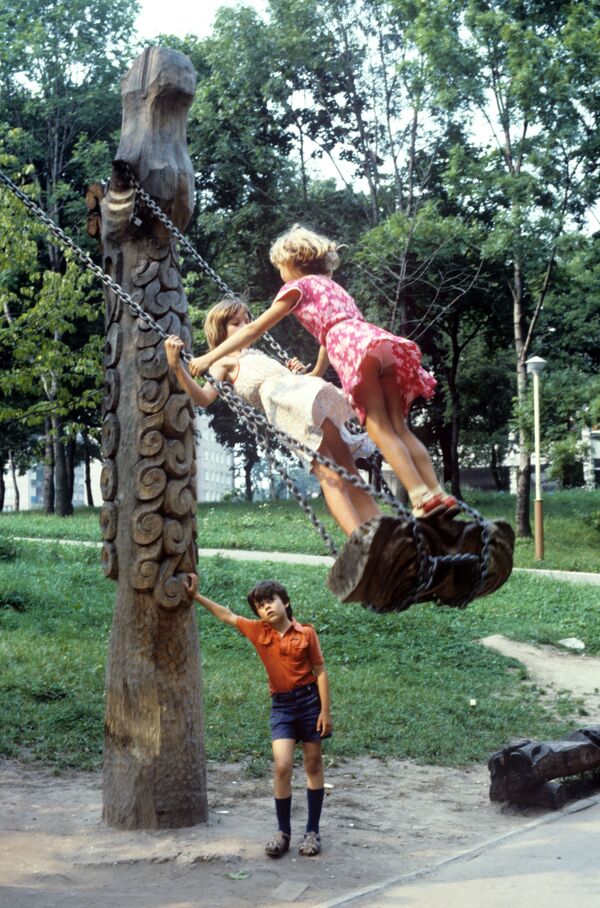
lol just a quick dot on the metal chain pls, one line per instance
(258, 422)
(174, 231)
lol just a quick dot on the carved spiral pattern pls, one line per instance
(153, 395)
(177, 416)
(110, 565)
(110, 435)
(169, 589)
(108, 521)
(179, 457)
(162, 523)
(146, 523)
(112, 390)
(108, 480)
(149, 478)
(114, 346)
(152, 362)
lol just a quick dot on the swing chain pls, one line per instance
(176, 233)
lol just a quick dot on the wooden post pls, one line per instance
(154, 764)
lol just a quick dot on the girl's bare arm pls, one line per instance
(202, 397)
(321, 364)
(246, 335)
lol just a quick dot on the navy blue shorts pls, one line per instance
(294, 714)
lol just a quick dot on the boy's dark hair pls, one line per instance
(266, 589)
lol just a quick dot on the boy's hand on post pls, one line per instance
(198, 366)
(191, 587)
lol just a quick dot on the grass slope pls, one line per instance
(401, 683)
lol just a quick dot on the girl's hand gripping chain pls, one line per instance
(199, 365)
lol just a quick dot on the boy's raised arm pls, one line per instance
(219, 611)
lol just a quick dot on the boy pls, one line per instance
(300, 709)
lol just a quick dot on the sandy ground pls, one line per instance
(380, 822)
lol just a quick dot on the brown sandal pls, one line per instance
(279, 844)
(311, 845)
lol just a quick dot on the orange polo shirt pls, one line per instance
(288, 659)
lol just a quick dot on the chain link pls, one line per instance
(258, 423)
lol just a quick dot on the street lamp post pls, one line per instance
(535, 365)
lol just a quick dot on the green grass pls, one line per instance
(572, 541)
(401, 683)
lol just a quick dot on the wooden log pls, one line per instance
(521, 768)
(154, 763)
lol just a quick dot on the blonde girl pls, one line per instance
(312, 412)
(381, 374)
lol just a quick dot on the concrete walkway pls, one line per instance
(552, 862)
(317, 560)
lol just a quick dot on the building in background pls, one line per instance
(215, 468)
(214, 477)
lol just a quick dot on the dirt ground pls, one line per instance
(380, 822)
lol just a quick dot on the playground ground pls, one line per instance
(383, 821)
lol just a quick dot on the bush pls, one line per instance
(565, 458)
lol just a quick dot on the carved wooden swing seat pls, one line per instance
(389, 563)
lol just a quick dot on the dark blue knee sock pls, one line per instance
(315, 803)
(283, 808)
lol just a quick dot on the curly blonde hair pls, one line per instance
(219, 316)
(306, 250)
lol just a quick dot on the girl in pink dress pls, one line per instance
(381, 373)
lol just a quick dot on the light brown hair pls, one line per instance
(306, 250)
(219, 316)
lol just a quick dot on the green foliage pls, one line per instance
(565, 458)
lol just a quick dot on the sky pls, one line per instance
(182, 17)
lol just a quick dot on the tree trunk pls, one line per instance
(248, 464)
(49, 490)
(70, 470)
(61, 490)
(494, 468)
(154, 764)
(87, 461)
(13, 472)
(2, 483)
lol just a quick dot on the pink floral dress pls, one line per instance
(333, 318)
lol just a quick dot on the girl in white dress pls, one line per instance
(309, 409)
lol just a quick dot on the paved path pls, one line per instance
(326, 560)
(553, 861)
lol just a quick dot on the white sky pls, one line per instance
(182, 17)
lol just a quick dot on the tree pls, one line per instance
(59, 105)
(529, 73)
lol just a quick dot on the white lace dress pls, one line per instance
(295, 404)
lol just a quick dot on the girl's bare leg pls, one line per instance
(378, 423)
(418, 451)
(364, 505)
(348, 505)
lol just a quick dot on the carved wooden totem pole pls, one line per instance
(154, 765)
